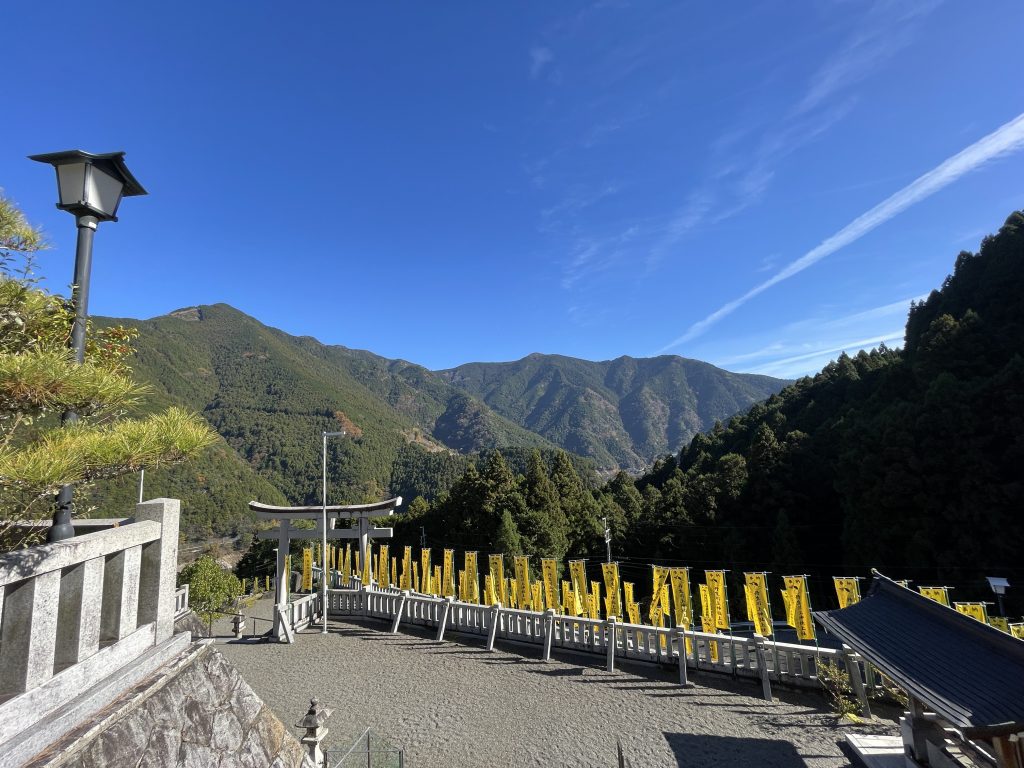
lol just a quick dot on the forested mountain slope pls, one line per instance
(908, 461)
(622, 412)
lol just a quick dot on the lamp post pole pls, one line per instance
(62, 528)
(323, 549)
(89, 186)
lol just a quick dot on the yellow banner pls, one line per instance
(524, 596)
(659, 577)
(974, 610)
(472, 579)
(759, 610)
(426, 585)
(1000, 623)
(594, 600)
(366, 565)
(680, 578)
(633, 609)
(436, 581)
(496, 565)
(448, 574)
(346, 564)
(394, 572)
(537, 596)
(1017, 630)
(610, 571)
(489, 590)
(847, 590)
(707, 618)
(513, 594)
(578, 575)
(938, 594)
(716, 583)
(383, 578)
(307, 570)
(416, 576)
(462, 585)
(799, 606)
(406, 581)
(627, 589)
(568, 599)
(549, 570)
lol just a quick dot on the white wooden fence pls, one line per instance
(89, 615)
(753, 657)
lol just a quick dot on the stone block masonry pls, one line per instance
(197, 712)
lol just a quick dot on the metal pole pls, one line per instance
(142, 482)
(323, 551)
(62, 528)
(607, 538)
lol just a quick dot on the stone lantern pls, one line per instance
(313, 723)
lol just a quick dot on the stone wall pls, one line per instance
(197, 712)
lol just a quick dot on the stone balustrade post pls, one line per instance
(610, 638)
(159, 567)
(400, 610)
(493, 629)
(856, 682)
(446, 608)
(549, 632)
(762, 668)
(684, 680)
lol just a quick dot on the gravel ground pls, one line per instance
(455, 704)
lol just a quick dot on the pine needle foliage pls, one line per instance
(40, 379)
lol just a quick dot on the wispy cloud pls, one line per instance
(804, 346)
(887, 28)
(740, 178)
(540, 57)
(802, 364)
(1005, 140)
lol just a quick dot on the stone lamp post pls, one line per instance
(316, 731)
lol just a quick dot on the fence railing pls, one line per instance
(753, 657)
(76, 612)
(181, 601)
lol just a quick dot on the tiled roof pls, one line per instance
(969, 673)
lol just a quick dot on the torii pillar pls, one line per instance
(285, 532)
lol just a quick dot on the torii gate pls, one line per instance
(285, 532)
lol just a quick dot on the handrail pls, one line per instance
(744, 656)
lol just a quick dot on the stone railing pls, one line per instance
(181, 601)
(84, 616)
(754, 657)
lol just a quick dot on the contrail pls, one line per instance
(1006, 139)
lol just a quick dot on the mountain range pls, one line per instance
(269, 395)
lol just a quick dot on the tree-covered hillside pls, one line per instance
(624, 412)
(907, 461)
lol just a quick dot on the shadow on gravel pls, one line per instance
(704, 751)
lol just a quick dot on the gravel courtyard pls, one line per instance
(455, 704)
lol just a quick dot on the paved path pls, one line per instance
(455, 704)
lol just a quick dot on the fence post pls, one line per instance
(445, 610)
(853, 670)
(549, 632)
(762, 668)
(495, 612)
(400, 611)
(681, 642)
(159, 566)
(610, 639)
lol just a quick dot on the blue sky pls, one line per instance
(759, 185)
